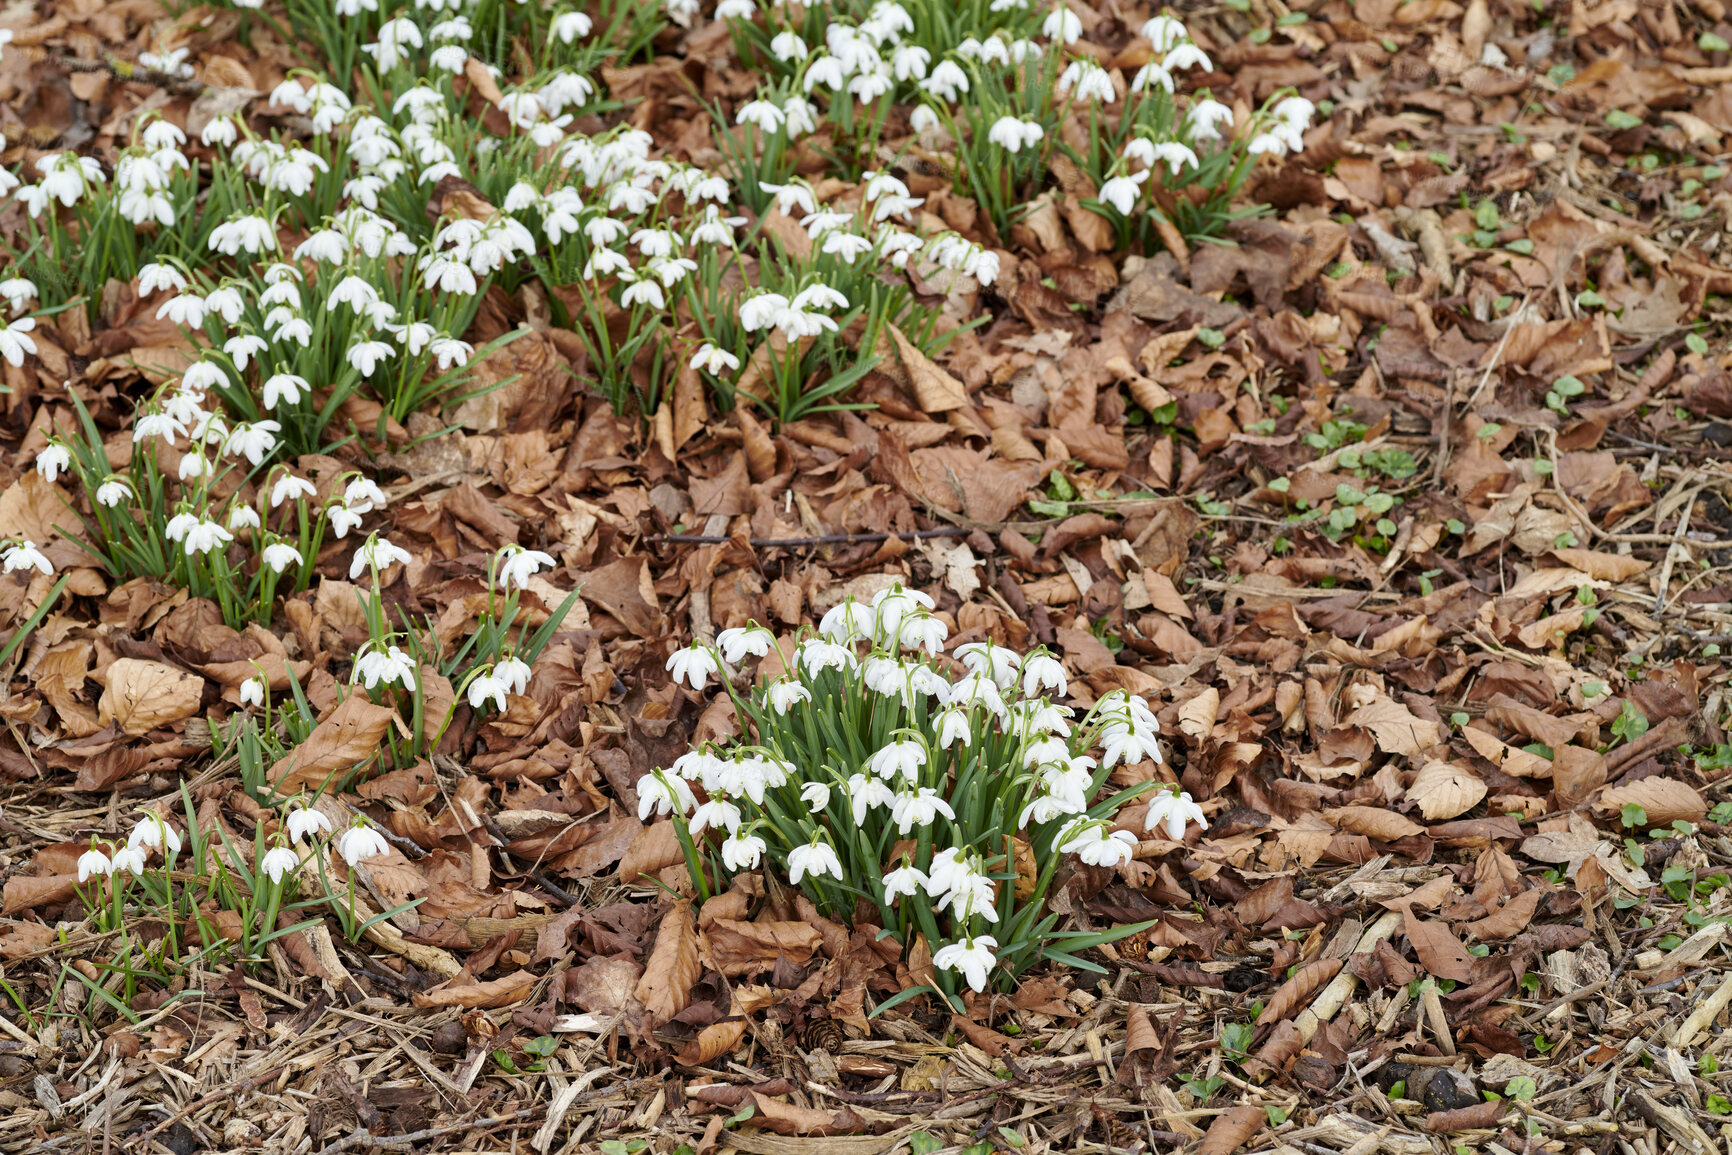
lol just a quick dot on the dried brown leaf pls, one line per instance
(673, 967)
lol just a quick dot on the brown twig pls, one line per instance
(822, 539)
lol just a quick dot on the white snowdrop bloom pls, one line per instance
(278, 862)
(662, 794)
(973, 958)
(904, 881)
(359, 843)
(738, 642)
(93, 861)
(996, 662)
(1207, 118)
(193, 465)
(1043, 672)
(54, 459)
(1048, 807)
(514, 672)
(869, 86)
(948, 81)
(910, 62)
(762, 114)
(129, 858)
(280, 555)
(305, 822)
(922, 118)
(185, 309)
(815, 858)
(1090, 81)
(227, 303)
(814, 656)
(390, 665)
(1150, 76)
(17, 291)
(923, 631)
(244, 348)
(219, 130)
(714, 360)
(66, 176)
(16, 342)
(802, 116)
(113, 493)
(815, 795)
(249, 234)
(1173, 810)
(978, 690)
(761, 311)
(243, 517)
(327, 246)
(154, 276)
(205, 537)
(1164, 33)
(253, 692)
(24, 555)
(569, 26)
(1185, 56)
(450, 58)
(139, 206)
(162, 425)
(449, 351)
(973, 894)
(693, 665)
(1095, 846)
(787, 46)
(681, 12)
(903, 757)
(281, 289)
(1062, 24)
(288, 487)
(284, 389)
(644, 292)
(953, 727)
(1175, 155)
(826, 70)
(1008, 133)
(742, 851)
(517, 565)
(364, 496)
(868, 794)
(736, 10)
(1122, 191)
(920, 808)
(486, 687)
(796, 194)
(343, 520)
(395, 38)
(718, 813)
(785, 692)
(367, 356)
(376, 553)
(253, 441)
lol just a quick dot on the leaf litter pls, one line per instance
(1436, 640)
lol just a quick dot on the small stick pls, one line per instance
(822, 539)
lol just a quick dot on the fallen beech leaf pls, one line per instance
(1665, 800)
(1511, 760)
(1508, 920)
(787, 1119)
(141, 695)
(657, 846)
(500, 992)
(1611, 567)
(24, 891)
(1291, 995)
(1197, 717)
(1439, 951)
(935, 391)
(1395, 728)
(1374, 822)
(666, 987)
(717, 1038)
(1576, 773)
(1232, 1129)
(738, 948)
(349, 737)
(1445, 790)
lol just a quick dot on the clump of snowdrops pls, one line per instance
(938, 792)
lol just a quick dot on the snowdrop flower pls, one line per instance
(1173, 809)
(693, 665)
(17, 291)
(802, 116)
(517, 565)
(922, 118)
(762, 311)
(128, 858)
(978, 690)
(995, 662)
(52, 461)
(92, 862)
(919, 809)
(848, 619)
(1094, 845)
(741, 851)
(24, 555)
(113, 493)
(1090, 81)
(787, 46)
(449, 351)
(1186, 56)
(903, 757)
(904, 880)
(1062, 24)
(152, 833)
(1175, 154)
(973, 957)
(249, 234)
(815, 795)
(645, 292)
(219, 131)
(253, 441)
(1043, 672)
(1046, 807)
(376, 553)
(737, 643)
(947, 81)
(279, 861)
(252, 692)
(1151, 75)
(661, 794)
(291, 488)
(366, 356)
(569, 26)
(825, 70)
(715, 360)
(815, 858)
(1206, 119)
(185, 309)
(391, 665)
(514, 672)
(869, 86)
(814, 656)
(361, 842)
(484, 687)
(970, 894)
(153, 276)
(785, 692)
(910, 62)
(363, 496)
(1122, 191)
(1164, 33)
(243, 517)
(762, 114)
(280, 555)
(868, 794)
(16, 342)
(206, 536)
(305, 822)
(953, 727)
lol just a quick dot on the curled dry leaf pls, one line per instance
(673, 967)
(1511, 760)
(1664, 800)
(348, 738)
(1291, 995)
(1445, 789)
(1395, 728)
(1440, 952)
(142, 696)
(1374, 822)
(1232, 1129)
(738, 948)
(500, 992)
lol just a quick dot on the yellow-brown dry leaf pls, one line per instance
(935, 390)
(1374, 822)
(1611, 567)
(717, 1038)
(500, 992)
(437, 697)
(349, 737)
(1233, 1128)
(1445, 790)
(1395, 728)
(657, 847)
(673, 967)
(760, 450)
(1197, 717)
(1511, 760)
(142, 696)
(1291, 995)
(1664, 800)
(738, 947)
(1550, 632)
